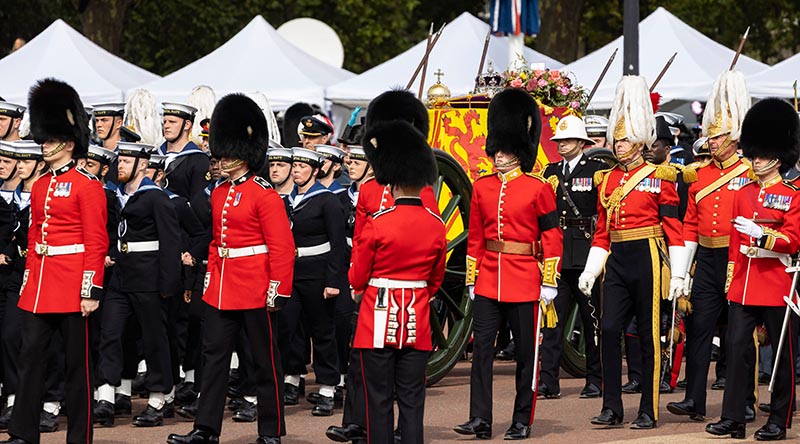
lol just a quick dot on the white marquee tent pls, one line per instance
(457, 54)
(257, 58)
(776, 80)
(62, 52)
(699, 61)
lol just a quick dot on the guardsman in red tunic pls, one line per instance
(250, 269)
(766, 232)
(513, 258)
(637, 224)
(706, 231)
(63, 278)
(398, 265)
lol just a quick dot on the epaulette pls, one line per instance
(262, 182)
(666, 172)
(553, 180)
(598, 176)
(382, 212)
(86, 173)
(537, 176)
(791, 185)
(750, 173)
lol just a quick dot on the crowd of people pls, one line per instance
(211, 274)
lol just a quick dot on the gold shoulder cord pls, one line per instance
(610, 203)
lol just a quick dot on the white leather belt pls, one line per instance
(53, 250)
(137, 247)
(761, 253)
(231, 253)
(396, 283)
(349, 241)
(315, 250)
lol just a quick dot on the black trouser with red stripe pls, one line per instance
(742, 320)
(488, 316)
(39, 330)
(220, 330)
(388, 372)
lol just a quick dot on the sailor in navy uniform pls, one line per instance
(186, 168)
(576, 202)
(280, 170)
(332, 167)
(147, 273)
(108, 118)
(318, 226)
(10, 119)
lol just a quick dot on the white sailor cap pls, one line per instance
(109, 110)
(21, 149)
(89, 111)
(279, 155)
(11, 110)
(331, 152)
(596, 125)
(157, 161)
(100, 154)
(179, 109)
(273, 144)
(303, 155)
(357, 153)
(130, 149)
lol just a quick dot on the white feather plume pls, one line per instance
(142, 114)
(263, 102)
(204, 99)
(729, 92)
(632, 102)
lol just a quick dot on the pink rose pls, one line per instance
(516, 83)
(542, 83)
(537, 72)
(564, 90)
(574, 105)
(530, 86)
(555, 75)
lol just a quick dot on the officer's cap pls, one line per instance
(314, 126)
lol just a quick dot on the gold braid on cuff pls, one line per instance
(549, 269)
(472, 271)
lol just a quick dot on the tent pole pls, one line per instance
(631, 40)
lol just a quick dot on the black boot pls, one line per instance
(169, 409)
(122, 404)
(13, 440)
(150, 417)
(481, 428)
(6, 418)
(607, 418)
(138, 386)
(324, 406)
(185, 394)
(643, 422)
(187, 411)
(685, 408)
(48, 422)
(291, 394)
(104, 413)
(348, 432)
(248, 412)
(268, 440)
(196, 436)
(517, 431)
(727, 427)
(771, 432)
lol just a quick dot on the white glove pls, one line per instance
(748, 227)
(679, 266)
(675, 287)
(547, 294)
(471, 289)
(691, 249)
(586, 282)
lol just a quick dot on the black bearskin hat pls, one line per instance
(398, 104)
(399, 154)
(771, 129)
(240, 131)
(57, 113)
(508, 131)
(662, 130)
(291, 118)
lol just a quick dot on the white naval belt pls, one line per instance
(58, 250)
(761, 253)
(396, 283)
(231, 253)
(137, 247)
(314, 250)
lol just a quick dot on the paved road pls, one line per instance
(564, 420)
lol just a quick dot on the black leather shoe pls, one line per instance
(719, 384)
(749, 413)
(168, 410)
(138, 386)
(104, 413)
(324, 406)
(546, 392)
(727, 427)
(508, 353)
(681, 384)
(15, 441)
(185, 394)
(643, 422)
(196, 436)
(312, 398)
(481, 428)
(397, 436)
(150, 417)
(771, 432)
(6, 418)
(187, 411)
(517, 431)
(291, 394)
(338, 397)
(348, 432)
(607, 418)
(632, 387)
(48, 422)
(235, 404)
(665, 387)
(685, 408)
(247, 413)
(591, 390)
(764, 407)
(268, 440)
(122, 404)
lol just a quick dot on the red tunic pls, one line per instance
(68, 208)
(653, 203)
(763, 281)
(710, 216)
(512, 207)
(374, 197)
(249, 213)
(406, 242)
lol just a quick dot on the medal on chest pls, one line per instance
(777, 202)
(63, 189)
(738, 182)
(582, 184)
(649, 185)
(237, 199)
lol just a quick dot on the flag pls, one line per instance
(514, 17)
